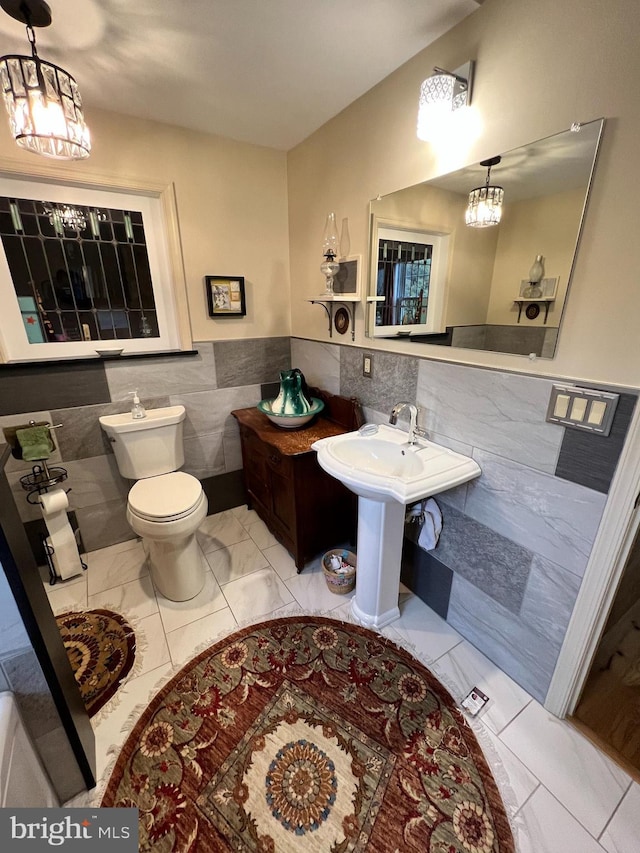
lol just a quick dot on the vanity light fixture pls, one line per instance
(441, 94)
(485, 203)
(330, 267)
(42, 99)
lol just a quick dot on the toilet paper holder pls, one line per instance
(42, 478)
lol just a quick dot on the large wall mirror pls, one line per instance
(435, 279)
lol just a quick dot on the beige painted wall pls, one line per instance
(546, 227)
(540, 66)
(232, 209)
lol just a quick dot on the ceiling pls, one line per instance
(547, 166)
(268, 72)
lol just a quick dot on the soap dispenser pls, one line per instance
(137, 409)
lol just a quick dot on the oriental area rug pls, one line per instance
(309, 734)
(101, 647)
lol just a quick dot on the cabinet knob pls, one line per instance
(274, 459)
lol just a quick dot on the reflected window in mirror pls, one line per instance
(404, 270)
(410, 280)
(82, 271)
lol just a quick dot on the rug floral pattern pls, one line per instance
(308, 734)
(101, 647)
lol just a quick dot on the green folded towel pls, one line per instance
(35, 442)
(10, 436)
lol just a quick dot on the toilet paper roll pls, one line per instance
(54, 501)
(66, 559)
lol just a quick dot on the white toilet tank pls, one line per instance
(149, 446)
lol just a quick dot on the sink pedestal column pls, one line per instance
(380, 535)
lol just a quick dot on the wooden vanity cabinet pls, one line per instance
(307, 510)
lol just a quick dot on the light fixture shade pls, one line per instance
(46, 119)
(485, 206)
(440, 95)
(330, 236)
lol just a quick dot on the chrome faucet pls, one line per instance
(414, 429)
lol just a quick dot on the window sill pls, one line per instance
(101, 358)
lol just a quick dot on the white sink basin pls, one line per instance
(385, 467)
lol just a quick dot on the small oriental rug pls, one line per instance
(101, 646)
(308, 734)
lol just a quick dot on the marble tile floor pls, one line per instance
(562, 794)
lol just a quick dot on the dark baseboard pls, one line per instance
(224, 491)
(427, 577)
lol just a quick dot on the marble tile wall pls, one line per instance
(519, 340)
(518, 649)
(500, 412)
(394, 378)
(547, 515)
(221, 377)
(251, 361)
(518, 538)
(319, 362)
(50, 386)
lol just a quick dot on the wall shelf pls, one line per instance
(329, 303)
(520, 301)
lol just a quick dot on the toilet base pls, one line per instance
(175, 559)
(176, 568)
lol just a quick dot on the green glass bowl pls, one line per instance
(291, 421)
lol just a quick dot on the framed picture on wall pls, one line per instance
(548, 288)
(225, 296)
(346, 283)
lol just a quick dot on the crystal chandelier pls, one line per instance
(42, 99)
(485, 203)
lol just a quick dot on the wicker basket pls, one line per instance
(340, 582)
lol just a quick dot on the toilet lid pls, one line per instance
(167, 496)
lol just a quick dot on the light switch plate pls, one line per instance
(367, 365)
(582, 408)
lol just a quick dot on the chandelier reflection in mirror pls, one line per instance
(485, 203)
(42, 99)
(80, 273)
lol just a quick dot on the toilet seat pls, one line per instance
(167, 497)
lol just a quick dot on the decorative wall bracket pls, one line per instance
(329, 306)
(536, 302)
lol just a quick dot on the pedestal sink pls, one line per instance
(387, 473)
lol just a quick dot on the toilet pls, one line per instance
(165, 506)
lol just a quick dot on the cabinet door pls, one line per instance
(282, 493)
(256, 470)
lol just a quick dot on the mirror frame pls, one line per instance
(446, 337)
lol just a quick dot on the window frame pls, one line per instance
(158, 206)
